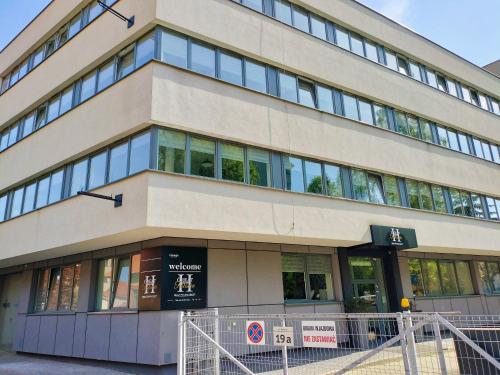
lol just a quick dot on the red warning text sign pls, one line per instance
(319, 334)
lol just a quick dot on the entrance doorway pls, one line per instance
(10, 288)
(368, 283)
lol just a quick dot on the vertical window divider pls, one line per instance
(153, 154)
(157, 52)
(108, 162)
(218, 162)
(187, 157)
(246, 166)
(217, 62)
(129, 148)
(189, 53)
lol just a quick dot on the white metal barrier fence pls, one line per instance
(395, 343)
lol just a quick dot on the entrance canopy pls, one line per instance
(390, 238)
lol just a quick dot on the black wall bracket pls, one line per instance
(118, 199)
(130, 21)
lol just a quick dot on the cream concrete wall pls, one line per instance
(100, 40)
(111, 115)
(189, 101)
(266, 39)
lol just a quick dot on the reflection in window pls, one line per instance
(232, 162)
(442, 136)
(29, 199)
(441, 83)
(381, 119)
(464, 278)
(118, 162)
(125, 64)
(231, 68)
(342, 38)
(66, 100)
(306, 93)
(425, 130)
(371, 51)
(259, 167)
(314, 178)
(413, 126)
(416, 278)
(415, 71)
(288, 86)
(438, 199)
(448, 277)
(413, 196)
(403, 66)
(333, 180)
(431, 78)
(57, 289)
(391, 191)
(432, 285)
(375, 188)
(390, 58)
(88, 86)
(254, 4)
(365, 111)
(202, 157)
(203, 59)
(350, 107)
(490, 276)
(456, 202)
(357, 45)
(171, 151)
(325, 99)
(294, 175)
(3, 207)
(283, 11)
(53, 108)
(452, 87)
(453, 139)
(318, 27)
(17, 202)
(174, 49)
(401, 125)
(97, 174)
(106, 75)
(255, 76)
(486, 151)
(56, 185)
(139, 153)
(74, 26)
(477, 205)
(425, 195)
(360, 185)
(41, 117)
(79, 177)
(145, 50)
(29, 124)
(42, 194)
(300, 19)
(466, 203)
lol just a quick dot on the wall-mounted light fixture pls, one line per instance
(118, 199)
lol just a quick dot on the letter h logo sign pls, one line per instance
(150, 284)
(395, 235)
(184, 282)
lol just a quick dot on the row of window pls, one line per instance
(116, 68)
(489, 273)
(431, 277)
(57, 289)
(183, 153)
(321, 28)
(65, 33)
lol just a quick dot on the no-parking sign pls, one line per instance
(255, 332)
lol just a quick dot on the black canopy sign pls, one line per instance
(400, 238)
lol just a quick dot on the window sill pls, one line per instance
(311, 302)
(112, 312)
(446, 297)
(52, 313)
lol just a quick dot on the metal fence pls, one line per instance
(395, 343)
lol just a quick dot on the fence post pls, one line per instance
(217, 340)
(412, 348)
(404, 349)
(181, 331)
(439, 346)
(284, 350)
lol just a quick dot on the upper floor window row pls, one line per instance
(57, 40)
(190, 154)
(319, 27)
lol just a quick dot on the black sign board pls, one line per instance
(184, 284)
(399, 238)
(150, 279)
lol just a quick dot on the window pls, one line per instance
(425, 195)
(314, 177)
(357, 45)
(375, 188)
(496, 106)
(254, 4)
(415, 71)
(97, 173)
(452, 87)
(441, 83)
(62, 36)
(490, 276)
(333, 180)
(42, 193)
(232, 162)
(381, 119)
(294, 175)
(74, 26)
(66, 100)
(496, 153)
(145, 50)
(300, 19)
(325, 99)
(37, 57)
(202, 157)
(41, 117)
(350, 107)
(57, 289)
(106, 75)
(474, 97)
(318, 27)
(365, 111)
(492, 211)
(171, 151)
(401, 125)
(88, 86)
(5, 83)
(307, 276)
(139, 152)
(118, 162)
(464, 144)
(283, 11)
(403, 66)
(442, 136)
(4, 140)
(306, 93)
(53, 108)
(14, 76)
(477, 205)
(29, 198)
(360, 185)
(486, 151)
(288, 86)
(391, 191)
(50, 47)
(94, 10)
(456, 202)
(17, 202)
(464, 278)
(466, 94)
(425, 130)
(231, 68)
(56, 185)
(371, 51)
(448, 277)
(79, 177)
(259, 167)
(478, 148)
(390, 58)
(413, 195)
(3, 207)
(416, 278)
(125, 63)
(430, 272)
(413, 126)
(342, 38)
(453, 139)
(118, 283)
(203, 59)
(466, 203)
(483, 102)
(431, 78)
(255, 76)
(13, 133)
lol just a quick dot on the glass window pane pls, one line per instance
(474, 97)
(357, 45)
(283, 11)
(4, 141)
(442, 136)
(293, 268)
(288, 86)
(42, 289)
(53, 108)
(381, 116)
(171, 151)
(425, 195)
(50, 47)
(371, 50)
(79, 177)
(3, 207)
(202, 157)
(255, 76)
(66, 100)
(29, 124)
(88, 86)
(139, 152)
(492, 211)
(62, 36)
(391, 190)
(360, 185)
(452, 87)
(375, 188)
(121, 283)
(232, 162)
(342, 38)
(483, 102)
(477, 205)
(13, 133)
(118, 162)
(465, 279)
(67, 275)
(431, 78)
(104, 280)
(94, 10)
(466, 94)
(403, 66)
(319, 270)
(413, 126)
(74, 26)
(314, 177)
(486, 151)
(365, 111)
(300, 19)
(432, 285)
(325, 99)
(466, 203)
(231, 68)
(478, 147)
(496, 153)
(453, 139)
(390, 58)
(441, 82)
(125, 63)
(37, 57)
(17, 202)
(14, 76)
(448, 277)
(42, 193)
(254, 4)
(333, 180)
(318, 27)
(417, 282)
(485, 278)
(401, 125)
(464, 145)
(134, 282)
(456, 202)
(496, 106)
(494, 276)
(294, 174)
(203, 59)
(413, 196)
(29, 199)
(106, 75)
(145, 50)
(260, 168)
(54, 282)
(41, 117)
(306, 94)
(415, 71)
(350, 107)
(425, 130)
(56, 185)
(97, 174)
(76, 288)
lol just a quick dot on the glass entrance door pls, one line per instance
(368, 283)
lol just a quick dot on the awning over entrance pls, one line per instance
(389, 238)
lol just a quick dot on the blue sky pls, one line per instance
(470, 28)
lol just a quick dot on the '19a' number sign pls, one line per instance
(283, 336)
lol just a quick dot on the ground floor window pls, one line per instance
(430, 277)
(307, 277)
(118, 283)
(489, 272)
(57, 288)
